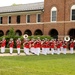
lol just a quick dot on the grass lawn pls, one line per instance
(38, 65)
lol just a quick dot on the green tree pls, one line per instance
(11, 33)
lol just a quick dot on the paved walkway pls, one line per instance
(21, 54)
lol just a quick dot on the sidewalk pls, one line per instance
(13, 54)
(21, 54)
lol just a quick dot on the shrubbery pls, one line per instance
(21, 37)
(12, 34)
(41, 37)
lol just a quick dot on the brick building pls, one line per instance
(51, 17)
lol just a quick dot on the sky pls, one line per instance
(10, 2)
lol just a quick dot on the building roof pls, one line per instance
(22, 7)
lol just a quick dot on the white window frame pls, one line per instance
(37, 18)
(8, 19)
(26, 18)
(72, 8)
(53, 9)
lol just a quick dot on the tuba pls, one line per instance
(66, 38)
(25, 36)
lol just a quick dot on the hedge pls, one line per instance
(21, 37)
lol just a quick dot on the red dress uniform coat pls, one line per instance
(27, 45)
(37, 44)
(3, 43)
(52, 44)
(72, 45)
(11, 44)
(18, 43)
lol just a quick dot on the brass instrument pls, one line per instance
(66, 38)
(25, 36)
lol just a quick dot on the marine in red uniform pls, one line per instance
(71, 46)
(3, 44)
(26, 45)
(32, 49)
(61, 46)
(11, 44)
(58, 47)
(37, 46)
(18, 42)
(48, 46)
(44, 47)
(52, 46)
(64, 47)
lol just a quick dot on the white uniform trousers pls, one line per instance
(64, 50)
(52, 51)
(18, 50)
(61, 48)
(26, 51)
(48, 51)
(37, 51)
(71, 50)
(2, 49)
(11, 50)
(44, 51)
(58, 51)
(32, 49)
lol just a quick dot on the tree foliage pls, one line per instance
(11, 33)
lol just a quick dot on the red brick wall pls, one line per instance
(68, 5)
(23, 18)
(42, 17)
(60, 26)
(68, 27)
(22, 28)
(62, 15)
(57, 26)
(48, 4)
(32, 18)
(13, 19)
(5, 19)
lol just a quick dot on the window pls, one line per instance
(53, 14)
(73, 12)
(38, 17)
(1, 20)
(28, 18)
(18, 19)
(9, 19)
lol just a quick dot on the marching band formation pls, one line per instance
(38, 46)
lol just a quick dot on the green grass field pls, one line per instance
(38, 65)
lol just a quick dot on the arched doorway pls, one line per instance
(7, 32)
(28, 32)
(38, 32)
(18, 33)
(54, 33)
(1, 33)
(72, 33)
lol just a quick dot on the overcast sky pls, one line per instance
(10, 2)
